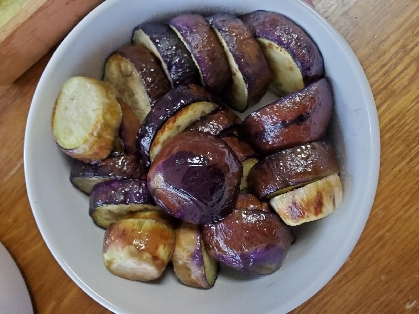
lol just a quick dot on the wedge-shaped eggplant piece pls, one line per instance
(86, 118)
(128, 130)
(250, 201)
(310, 202)
(138, 249)
(247, 156)
(195, 177)
(117, 166)
(205, 49)
(295, 119)
(250, 71)
(110, 201)
(249, 240)
(163, 42)
(291, 168)
(217, 122)
(293, 57)
(172, 114)
(192, 264)
(137, 77)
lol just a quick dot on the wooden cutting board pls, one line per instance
(34, 30)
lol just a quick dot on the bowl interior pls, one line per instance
(322, 247)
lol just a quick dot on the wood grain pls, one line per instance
(382, 273)
(28, 35)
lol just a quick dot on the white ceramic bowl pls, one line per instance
(322, 247)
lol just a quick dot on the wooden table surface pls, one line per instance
(382, 273)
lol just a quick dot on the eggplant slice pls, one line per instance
(163, 42)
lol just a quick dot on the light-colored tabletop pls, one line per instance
(382, 273)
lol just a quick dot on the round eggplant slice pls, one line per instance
(119, 166)
(138, 249)
(137, 77)
(294, 119)
(112, 200)
(86, 119)
(206, 51)
(250, 71)
(172, 114)
(192, 264)
(293, 57)
(195, 177)
(250, 240)
(311, 202)
(163, 42)
(291, 168)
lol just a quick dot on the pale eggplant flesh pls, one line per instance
(310, 202)
(86, 118)
(137, 77)
(250, 71)
(294, 58)
(138, 249)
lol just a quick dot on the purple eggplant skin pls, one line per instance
(247, 56)
(206, 50)
(217, 122)
(295, 119)
(149, 67)
(287, 34)
(250, 240)
(192, 264)
(111, 200)
(117, 166)
(195, 177)
(240, 147)
(120, 191)
(174, 55)
(166, 107)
